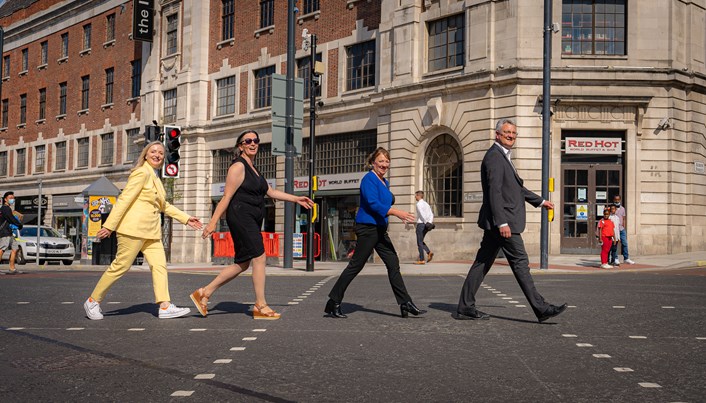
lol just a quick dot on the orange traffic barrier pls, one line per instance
(271, 241)
(222, 244)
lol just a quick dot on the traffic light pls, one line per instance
(172, 143)
(152, 133)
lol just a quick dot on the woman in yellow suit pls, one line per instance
(136, 219)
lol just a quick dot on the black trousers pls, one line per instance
(516, 255)
(421, 232)
(372, 237)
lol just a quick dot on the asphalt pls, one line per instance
(556, 264)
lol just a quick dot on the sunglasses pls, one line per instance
(250, 141)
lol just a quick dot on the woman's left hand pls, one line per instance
(305, 202)
(194, 223)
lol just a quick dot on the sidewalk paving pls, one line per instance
(556, 263)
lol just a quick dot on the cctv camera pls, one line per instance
(664, 124)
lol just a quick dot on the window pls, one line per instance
(82, 150)
(170, 106)
(133, 146)
(21, 163)
(44, 54)
(106, 149)
(360, 65)
(172, 30)
(6, 66)
(5, 107)
(85, 91)
(443, 176)
(109, 85)
(225, 96)
(593, 27)
(42, 103)
(62, 99)
(25, 59)
(446, 43)
(86, 36)
(266, 163)
(136, 78)
(65, 44)
(263, 87)
(267, 13)
(39, 159)
(23, 109)
(60, 160)
(338, 153)
(304, 71)
(3, 163)
(228, 19)
(310, 6)
(110, 27)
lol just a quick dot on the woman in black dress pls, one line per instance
(244, 204)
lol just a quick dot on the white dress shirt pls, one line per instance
(424, 214)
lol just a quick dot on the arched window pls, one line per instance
(443, 177)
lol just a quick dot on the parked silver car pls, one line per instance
(53, 247)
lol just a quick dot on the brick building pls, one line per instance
(426, 79)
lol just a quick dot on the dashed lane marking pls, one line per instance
(205, 376)
(249, 338)
(649, 385)
(298, 299)
(513, 302)
(292, 303)
(623, 369)
(618, 306)
(223, 361)
(584, 345)
(701, 338)
(22, 302)
(22, 328)
(67, 303)
(197, 330)
(507, 297)
(601, 355)
(183, 393)
(114, 302)
(637, 337)
(568, 335)
(75, 328)
(136, 329)
(237, 348)
(259, 330)
(521, 306)
(667, 307)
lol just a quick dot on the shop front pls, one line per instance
(592, 173)
(28, 206)
(67, 213)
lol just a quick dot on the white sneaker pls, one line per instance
(628, 261)
(606, 266)
(172, 311)
(616, 263)
(93, 309)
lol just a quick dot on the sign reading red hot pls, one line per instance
(593, 145)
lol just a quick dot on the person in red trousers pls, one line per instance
(608, 238)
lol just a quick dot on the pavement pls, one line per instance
(439, 266)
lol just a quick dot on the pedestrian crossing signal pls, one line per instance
(172, 144)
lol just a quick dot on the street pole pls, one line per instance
(546, 120)
(289, 144)
(2, 49)
(312, 154)
(39, 218)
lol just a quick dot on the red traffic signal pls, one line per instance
(172, 143)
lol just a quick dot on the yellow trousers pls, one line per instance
(128, 248)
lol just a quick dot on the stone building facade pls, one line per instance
(426, 79)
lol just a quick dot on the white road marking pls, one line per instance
(21, 328)
(292, 303)
(649, 385)
(623, 369)
(601, 355)
(223, 361)
(259, 330)
(298, 299)
(237, 348)
(584, 345)
(513, 302)
(197, 330)
(183, 393)
(667, 307)
(637, 337)
(67, 303)
(75, 328)
(114, 302)
(249, 338)
(205, 376)
(507, 297)
(22, 303)
(568, 335)
(572, 306)
(701, 338)
(618, 307)
(521, 306)
(502, 295)
(136, 329)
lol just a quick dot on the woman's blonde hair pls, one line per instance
(143, 155)
(374, 155)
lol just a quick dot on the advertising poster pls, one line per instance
(98, 205)
(581, 212)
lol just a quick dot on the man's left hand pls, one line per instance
(548, 205)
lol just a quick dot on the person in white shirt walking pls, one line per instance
(425, 223)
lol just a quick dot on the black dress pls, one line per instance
(245, 214)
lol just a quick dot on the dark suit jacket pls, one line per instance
(504, 195)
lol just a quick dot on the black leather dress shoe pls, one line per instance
(472, 315)
(409, 307)
(551, 312)
(333, 309)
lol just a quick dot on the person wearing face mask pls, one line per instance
(243, 203)
(371, 224)
(136, 219)
(7, 239)
(620, 212)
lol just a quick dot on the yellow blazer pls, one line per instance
(136, 212)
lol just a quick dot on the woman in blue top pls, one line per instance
(376, 202)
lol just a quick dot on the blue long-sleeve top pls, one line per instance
(375, 200)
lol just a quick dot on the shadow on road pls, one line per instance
(149, 308)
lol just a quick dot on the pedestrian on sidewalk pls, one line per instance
(613, 254)
(136, 219)
(376, 202)
(502, 218)
(608, 238)
(243, 203)
(620, 212)
(425, 223)
(7, 238)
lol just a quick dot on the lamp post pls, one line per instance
(310, 41)
(546, 120)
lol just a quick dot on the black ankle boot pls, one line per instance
(334, 309)
(409, 307)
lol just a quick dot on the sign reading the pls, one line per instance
(142, 20)
(593, 145)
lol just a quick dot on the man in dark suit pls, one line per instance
(502, 218)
